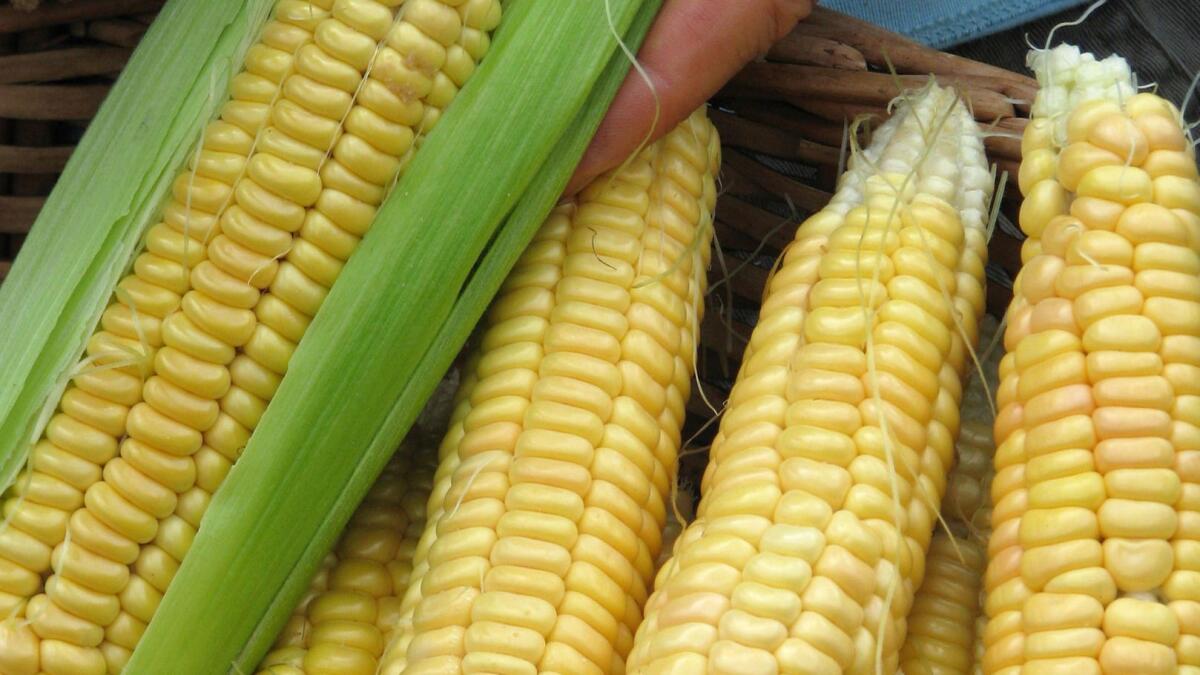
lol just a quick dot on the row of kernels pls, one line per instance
(942, 622)
(942, 426)
(518, 322)
(690, 607)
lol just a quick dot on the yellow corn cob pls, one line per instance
(343, 622)
(1100, 417)
(326, 145)
(802, 516)
(945, 617)
(548, 505)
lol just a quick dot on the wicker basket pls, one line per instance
(782, 121)
(57, 62)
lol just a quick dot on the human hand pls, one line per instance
(691, 51)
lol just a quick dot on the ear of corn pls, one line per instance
(516, 51)
(945, 626)
(816, 505)
(551, 495)
(133, 504)
(92, 224)
(180, 442)
(1091, 566)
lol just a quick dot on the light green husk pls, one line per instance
(86, 236)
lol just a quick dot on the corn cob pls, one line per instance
(806, 500)
(343, 622)
(1045, 198)
(945, 624)
(968, 301)
(1100, 418)
(326, 141)
(548, 505)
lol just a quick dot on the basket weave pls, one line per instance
(781, 120)
(57, 62)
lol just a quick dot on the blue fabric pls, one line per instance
(944, 23)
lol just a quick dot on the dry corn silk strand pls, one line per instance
(332, 101)
(823, 482)
(1095, 553)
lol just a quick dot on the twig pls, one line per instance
(18, 213)
(24, 159)
(767, 139)
(737, 165)
(815, 51)
(62, 64)
(51, 102)
(13, 20)
(802, 83)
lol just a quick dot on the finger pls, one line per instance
(691, 51)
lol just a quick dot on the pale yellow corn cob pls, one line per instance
(1098, 478)
(807, 503)
(548, 506)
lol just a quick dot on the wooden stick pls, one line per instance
(802, 83)
(1002, 147)
(62, 64)
(13, 20)
(745, 280)
(118, 32)
(770, 140)
(7, 43)
(33, 134)
(5, 266)
(25, 159)
(755, 223)
(881, 46)
(818, 52)
(754, 175)
(51, 102)
(714, 332)
(840, 112)
(18, 213)
(791, 119)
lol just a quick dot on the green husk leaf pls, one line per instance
(85, 237)
(362, 351)
(516, 233)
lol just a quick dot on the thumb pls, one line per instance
(691, 51)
